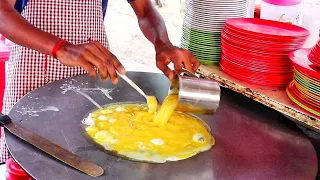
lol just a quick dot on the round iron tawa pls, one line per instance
(252, 141)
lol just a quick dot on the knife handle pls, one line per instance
(4, 120)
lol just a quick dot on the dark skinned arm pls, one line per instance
(154, 29)
(14, 27)
(90, 55)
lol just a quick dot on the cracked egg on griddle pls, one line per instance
(130, 130)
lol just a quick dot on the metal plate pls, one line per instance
(252, 141)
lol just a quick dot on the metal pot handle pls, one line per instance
(189, 73)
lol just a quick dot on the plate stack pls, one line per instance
(314, 55)
(256, 51)
(304, 90)
(203, 23)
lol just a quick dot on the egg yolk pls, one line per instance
(152, 104)
(136, 132)
(169, 104)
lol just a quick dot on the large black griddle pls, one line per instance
(252, 141)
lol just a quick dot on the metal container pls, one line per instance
(196, 95)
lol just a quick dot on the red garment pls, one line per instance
(73, 20)
(15, 172)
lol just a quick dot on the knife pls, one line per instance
(50, 148)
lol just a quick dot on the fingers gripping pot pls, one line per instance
(196, 95)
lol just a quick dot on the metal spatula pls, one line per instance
(50, 148)
(134, 85)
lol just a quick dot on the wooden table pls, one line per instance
(275, 98)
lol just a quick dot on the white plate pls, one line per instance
(201, 42)
(205, 47)
(216, 24)
(205, 28)
(195, 35)
(233, 4)
(213, 38)
(214, 8)
(218, 11)
(209, 21)
(213, 16)
(188, 29)
(217, 1)
(225, 11)
(214, 50)
(215, 11)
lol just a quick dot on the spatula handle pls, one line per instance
(132, 84)
(4, 120)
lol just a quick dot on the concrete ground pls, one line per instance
(127, 41)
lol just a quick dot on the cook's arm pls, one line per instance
(14, 27)
(151, 23)
(154, 29)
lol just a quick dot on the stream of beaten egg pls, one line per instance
(143, 133)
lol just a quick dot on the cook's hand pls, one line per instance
(179, 57)
(89, 56)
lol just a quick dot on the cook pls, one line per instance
(56, 39)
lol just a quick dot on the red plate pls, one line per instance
(267, 27)
(297, 94)
(265, 38)
(262, 67)
(307, 77)
(242, 32)
(259, 57)
(255, 52)
(317, 46)
(303, 64)
(250, 43)
(289, 90)
(314, 60)
(245, 57)
(303, 96)
(256, 74)
(258, 82)
(258, 67)
(251, 59)
(249, 74)
(316, 52)
(254, 39)
(258, 46)
(255, 81)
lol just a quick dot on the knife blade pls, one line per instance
(51, 148)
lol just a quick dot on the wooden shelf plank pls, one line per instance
(275, 98)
